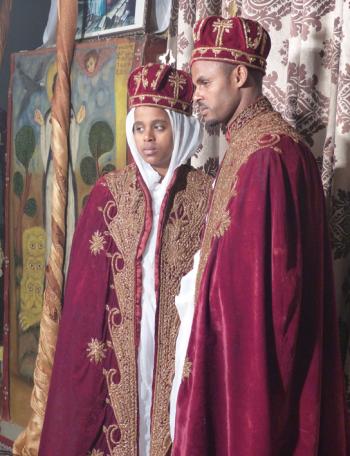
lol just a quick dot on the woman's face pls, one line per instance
(154, 137)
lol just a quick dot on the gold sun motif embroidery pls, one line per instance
(97, 243)
(96, 351)
(96, 453)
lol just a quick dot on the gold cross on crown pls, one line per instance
(141, 77)
(221, 26)
(177, 81)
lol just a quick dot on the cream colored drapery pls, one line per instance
(27, 443)
(308, 81)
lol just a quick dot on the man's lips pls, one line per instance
(203, 110)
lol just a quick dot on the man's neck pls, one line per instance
(248, 98)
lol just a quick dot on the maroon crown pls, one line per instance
(161, 85)
(234, 40)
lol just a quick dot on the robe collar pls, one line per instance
(260, 106)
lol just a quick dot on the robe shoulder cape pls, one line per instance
(263, 375)
(92, 407)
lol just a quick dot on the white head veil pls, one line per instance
(187, 136)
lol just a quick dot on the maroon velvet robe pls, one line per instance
(263, 374)
(92, 406)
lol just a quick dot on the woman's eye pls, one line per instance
(138, 129)
(159, 127)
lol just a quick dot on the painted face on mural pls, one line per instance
(154, 137)
(91, 65)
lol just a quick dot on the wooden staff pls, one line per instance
(28, 442)
(5, 10)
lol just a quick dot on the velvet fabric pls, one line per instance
(76, 408)
(266, 377)
(160, 85)
(233, 40)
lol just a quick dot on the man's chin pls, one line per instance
(212, 123)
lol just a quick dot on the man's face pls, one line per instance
(154, 137)
(217, 96)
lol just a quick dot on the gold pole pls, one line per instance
(5, 10)
(28, 442)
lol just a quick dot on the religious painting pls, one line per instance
(102, 17)
(97, 145)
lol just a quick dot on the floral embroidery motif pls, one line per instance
(340, 224)
(187, 369)
(96, 351)
(97, 242)
(211, 166)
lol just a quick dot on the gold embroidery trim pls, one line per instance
(158, 98)
(259, 131)
(155, 82)
(181, 240)
(252, 43)
(125, 228)
(234, 52)
(187, 369)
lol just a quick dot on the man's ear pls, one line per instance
(239, 75)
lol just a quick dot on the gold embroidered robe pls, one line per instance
(93, 401)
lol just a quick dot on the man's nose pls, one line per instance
(197, 95)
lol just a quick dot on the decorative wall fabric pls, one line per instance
(308, 81)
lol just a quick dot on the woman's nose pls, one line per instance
(148, 136)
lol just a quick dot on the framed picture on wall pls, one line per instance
(103, 17)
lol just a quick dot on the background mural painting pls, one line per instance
(97, 145)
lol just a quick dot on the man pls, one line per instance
(262, 376)
(135, 241)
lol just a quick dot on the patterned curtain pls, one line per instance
(308, 81)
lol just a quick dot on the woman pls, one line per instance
(136, 240)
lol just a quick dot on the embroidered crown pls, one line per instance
(161, 85)
(232, 40)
